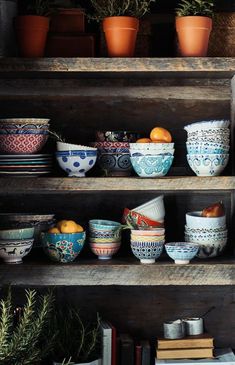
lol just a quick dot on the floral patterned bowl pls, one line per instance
(152, 166)
(63, 247)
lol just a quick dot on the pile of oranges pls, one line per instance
(66, 226)
(157, 135)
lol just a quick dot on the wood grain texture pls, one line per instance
(120, 272)
(224, 67)
(52, 185)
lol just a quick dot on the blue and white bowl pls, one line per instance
(182, 252)
(147, 252)
(76, 163)
(12, 251)
(208, 164)
(152, 166)
(115, 164)
(207, 124)
(206, 148)
(211, 249)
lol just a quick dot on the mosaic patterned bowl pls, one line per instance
(76, 163)
(147, 252)
(63, 247)
(182, 252)
(22, 143)
(152, 166)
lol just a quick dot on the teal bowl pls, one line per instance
(17, 234)
(63, 247)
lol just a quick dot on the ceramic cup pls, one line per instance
(174, 329)
(193, 326)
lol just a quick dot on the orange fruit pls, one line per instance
(143, 140)
(79, 228)
(59, 224)
(54, 230)
(160, 135)
(68, 227)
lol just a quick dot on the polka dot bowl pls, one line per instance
(76, 163)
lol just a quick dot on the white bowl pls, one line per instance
(205, 237)
(206, 148)
(135, 152)
(208, 164)
(12, 251)
(202, 125)
(195, 220)
(76, 163)
(211, 249)
(62, 146)
(153, 209)
(152, 146)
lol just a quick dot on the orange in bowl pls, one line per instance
(160, 135)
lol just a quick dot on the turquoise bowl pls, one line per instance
(17, 234)
(152, 166)
(63, 247)
(102, 224)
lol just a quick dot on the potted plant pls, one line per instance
(120, 23)
(23, 339)
(32, 28)
(76, 342)
(193, 26)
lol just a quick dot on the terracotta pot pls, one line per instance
(31, 33)
(193, 35)
(120, 34)
(68, 21)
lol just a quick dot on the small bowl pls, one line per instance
(152, 166)
(76, 163)
(205, 237)
(110, 145)
(182, 252)
(153, 209)
(12, 251)
(164, 147)
(115, 164)
(105, 251)
(151, 232)
(63, 147)
(139, 153)
(208, 164)
(4, 131)
(211, 249)
(117, 136)
(147, 252)
(16, 234)
(22, 143)
(206, 125)
(207, 148)
(196, 221)
(138, 221)
(63, 247)
(25, 121)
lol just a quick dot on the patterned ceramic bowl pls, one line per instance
(136, 153)
(117, 136)
(205, 237)
(196, 221)
(208, 165)
(152, 166)
(205, 125)
(207, 148)
(12, 251)
(63, 147)
(211, 249)
(153, 209)
(159, 147)
(115, 164)
(16, 234)
(156, 232)
(210, 132)
(76, 163)
(25, 122)
(105, 251)
(22, 143)
(147, 252)
(138, 221)
(5, 131)
(182, 252)
(63, 247)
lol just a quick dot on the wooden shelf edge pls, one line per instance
(218, 65)
(121, 273)
(60, 185)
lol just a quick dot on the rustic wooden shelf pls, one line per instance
(65, 185)
(223, 67)
(119, 272)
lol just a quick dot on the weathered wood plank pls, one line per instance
(218, 66)
(63, 185)
(121, 272)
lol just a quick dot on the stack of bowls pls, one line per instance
(208, 146)
(75, 160)
(147, 245)
(15, 244)
(113, 151)
(105, 238)
(209, 232)
(151, 159)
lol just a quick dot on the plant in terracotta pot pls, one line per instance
(32, 28)
(193, 26)
(77, 342)
(120, 23)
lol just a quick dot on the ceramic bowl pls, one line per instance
(4, 131)
(182, 252)
(138, 153)
(12, 251)
(205, 237)
(152, 166)
(103, 224)
(138, 221)
(76, 163)
(110, 145)
(196, 221)
(208, 164)
(211, 249)
(164, 147)
(27, 122)
(115, 164)
(205, 230)
(22, 143)
(63, 147)
(210, 139)
(153, 209)
(147, 252)
(147, 238)
(63, 247)
(207, 124)
(16, 234)
(157, 232)
(209, 132)
(105, 251)
(207, 148)
(117, 136)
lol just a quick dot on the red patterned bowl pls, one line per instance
(22, 143)
(104, 251)
(136, 220)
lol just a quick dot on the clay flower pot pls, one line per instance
(193, 35)
(31, 33)
(120, 34)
